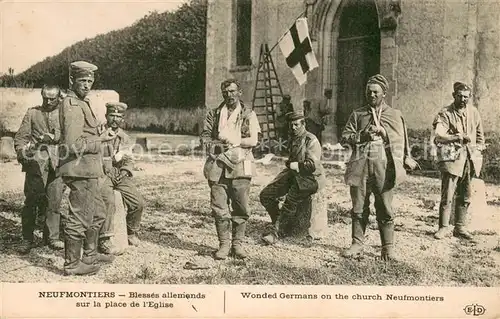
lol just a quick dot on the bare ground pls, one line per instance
(177, 228)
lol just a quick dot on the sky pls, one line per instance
(32, 30)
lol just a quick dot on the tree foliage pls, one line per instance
(159, 61)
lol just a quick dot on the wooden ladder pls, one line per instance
(267, 95)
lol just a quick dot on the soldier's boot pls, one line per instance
(444, 225)
(238, 237)
(54, 244)
(90, 252)
(133, 240)
(72, 263)
(223, 227)
(358, 227)
(26, 246)
(271, 237)
(460, 229)
(106, 247)
(28, 220)
(387, 238)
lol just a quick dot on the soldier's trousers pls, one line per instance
(229, 199)
(360, 196)
(283, 184)
(45, 197)
(86, 207)
(451, 184)
(132, 200)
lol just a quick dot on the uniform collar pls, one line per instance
(245, 110)
(382, 106)
(73, 95)
(300, 135)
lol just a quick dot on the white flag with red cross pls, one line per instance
(296, 47)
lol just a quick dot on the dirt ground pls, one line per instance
(177, 228)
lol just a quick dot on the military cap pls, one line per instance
(116, 108)
(461, 86)
(294, 115)
(380, 80)
(82, 68)
(287, 97)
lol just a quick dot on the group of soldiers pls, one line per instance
(316, 115)
(62, 143)
(377, 135)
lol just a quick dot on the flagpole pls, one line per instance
(283, 35)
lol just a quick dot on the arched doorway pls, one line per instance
(358, 55)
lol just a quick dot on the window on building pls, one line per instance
(243, 32)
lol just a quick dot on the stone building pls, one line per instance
(422, 47)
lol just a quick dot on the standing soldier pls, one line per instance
(459, 137)
(36, 146)
(230, 131)
(282, 109)
(317, 113)
(80, 166)
(301, 178)
(377, 135)
(118, 170)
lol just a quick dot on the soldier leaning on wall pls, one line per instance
(36, 146)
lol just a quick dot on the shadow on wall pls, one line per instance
(166, 120)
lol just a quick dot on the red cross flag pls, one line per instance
(296, 47)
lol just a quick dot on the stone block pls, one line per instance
(388, 71)
(311, 218)
(141, 145)
(389, 55)
(120, 238)
(387, 42)
(7, 151)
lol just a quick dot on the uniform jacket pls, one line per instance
(80, 148)
(450, 118)
(306, 150)
(38, 158)
(213, 169)
(389, 168)
(113, 164)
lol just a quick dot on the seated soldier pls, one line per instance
(118, 170)
(301, 178)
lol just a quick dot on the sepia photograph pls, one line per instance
(266, 143)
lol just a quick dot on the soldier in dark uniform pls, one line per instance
(301, 178)
(118, 170)
(36, 146)
(80, 166)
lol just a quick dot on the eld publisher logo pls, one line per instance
(474, 310)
